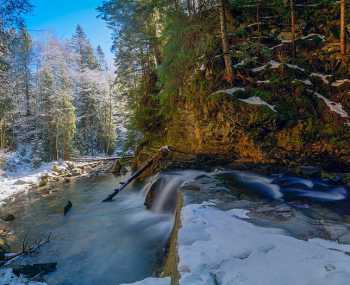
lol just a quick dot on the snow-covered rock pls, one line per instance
(216, 247)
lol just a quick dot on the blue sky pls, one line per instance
(60, 17)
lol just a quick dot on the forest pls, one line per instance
(175, 142)
(56, 96)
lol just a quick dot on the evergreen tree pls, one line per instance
(11, 12)
(101, 59)
(83, 49)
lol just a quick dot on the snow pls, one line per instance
(324, 77)
(230, 91)
(333, 106)
(293, 66)
(239, 213)
(254, 100)
(261, 82)
(152, 281)
(241, 63)
(215, 247)
(313, 35)
(271, 64)
(14, 183)
(20, 177)
(8, 278)
(306, 82)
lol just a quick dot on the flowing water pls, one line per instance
(96, 243)
(121, 241)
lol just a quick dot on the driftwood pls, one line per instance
(165, 150)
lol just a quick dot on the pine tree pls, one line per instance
(83, 49)
(11, 17)
(101, 59)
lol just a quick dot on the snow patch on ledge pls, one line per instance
(333, 106)
(324, 77)
(314, 35)
(271, 64)
(218, 248)
(255, 100)
(152, 281)
(230, 91)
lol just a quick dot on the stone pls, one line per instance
(8, 218)
(117, 167)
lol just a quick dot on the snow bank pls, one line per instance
(152, 281)
(8, 278)
(215, 247)
(13, 183)
(254, 100)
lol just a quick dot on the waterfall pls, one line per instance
(167, 194)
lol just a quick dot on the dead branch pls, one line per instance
(29, 248)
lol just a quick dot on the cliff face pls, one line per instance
(281, 111)
(287, 121)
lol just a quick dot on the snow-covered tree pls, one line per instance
(93, 97)
(55, 111)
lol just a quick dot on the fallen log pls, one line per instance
(122, 185)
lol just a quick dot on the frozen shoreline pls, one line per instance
(223, 247)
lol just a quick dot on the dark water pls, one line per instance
(96, 243)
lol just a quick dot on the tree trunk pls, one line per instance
(292, 16)
(225, 44)
(343, 48)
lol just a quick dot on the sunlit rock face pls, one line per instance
(281, 126)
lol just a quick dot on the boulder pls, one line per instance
(116, 167)
(44, 180)
(8, 218)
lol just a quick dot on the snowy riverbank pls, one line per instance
(223, 247)
(23, 177)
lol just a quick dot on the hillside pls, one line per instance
(250, 81)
